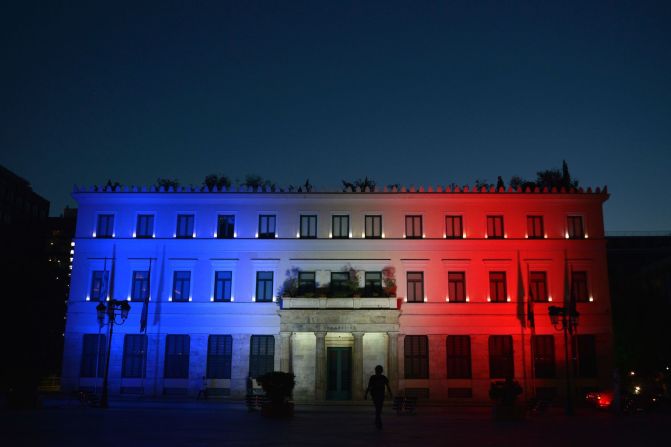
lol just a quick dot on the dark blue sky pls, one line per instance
(404, 92)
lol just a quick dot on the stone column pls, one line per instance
(393, 340)
(320, 365)
(357, 366)
(286, 363)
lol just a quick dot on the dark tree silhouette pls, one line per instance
(255, 181)
(359, 183)
(219, 181)
(167, 182)
(479, 183)
(499, 183)
(111, 184)
(550, 178)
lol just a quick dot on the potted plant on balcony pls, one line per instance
(389, 281)
(278, 387)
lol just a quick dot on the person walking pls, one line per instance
(376, 387)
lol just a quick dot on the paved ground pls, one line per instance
(146, 424)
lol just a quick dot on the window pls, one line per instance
(177, 357)
(185, 225)
(495, 227)
(340, 227)
(416, 355)
(308, 227)
(579, 291)
(219, 356)
(222, 285)
(373, 227)
(544, 356)
(339, 283)
(99, 285)
(134, 356)
(585, 363)
(140, 287)
(535, 227)
(93, 355)
(373, 284)
(261, 355)
(105, 225)
(267, 226)
(454, 227)
(458, 357)
(575, 227)
(413, 227)
(456, 287)
(306, 283)
(225, 226)
(264, 286)
(538, 287)
(497, 287)
(501, 363)
(415, 287)
(181, 285)
(145, 226)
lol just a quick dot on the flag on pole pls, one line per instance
(145, 305)
(104, 283)
(530, 304)
(520, 293)
(112, 272)
(567, 284)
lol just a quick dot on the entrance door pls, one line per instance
(339, 373)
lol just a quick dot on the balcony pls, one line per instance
(340, 303)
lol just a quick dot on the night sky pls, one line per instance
(404, 92)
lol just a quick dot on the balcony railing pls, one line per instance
(340, 303)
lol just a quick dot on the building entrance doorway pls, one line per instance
(339, 373)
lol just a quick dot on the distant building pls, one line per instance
(23, 231)
(58, 252)
(433, 284)
(639, 266)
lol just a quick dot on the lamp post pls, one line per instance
(566, 319)
(110, 313)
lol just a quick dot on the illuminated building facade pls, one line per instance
(447, 289)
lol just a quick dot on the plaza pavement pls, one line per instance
(146, 423)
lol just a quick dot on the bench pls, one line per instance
(405, 405)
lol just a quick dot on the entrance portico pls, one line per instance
(333, 351)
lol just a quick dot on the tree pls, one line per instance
(255, 181)
(479, 183)
(549, 178)
(359, 183)
(219, 181)
(554, 178)
(518, 182)
(111, 184)
(499, 183)
(167, 182)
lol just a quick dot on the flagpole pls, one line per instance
(102, 282)
(532, 325)
(143, 324)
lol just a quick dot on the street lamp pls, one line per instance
(110, 313)
(565, 319)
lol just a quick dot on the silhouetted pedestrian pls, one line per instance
(376, 387)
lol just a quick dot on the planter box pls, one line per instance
(340, 303)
